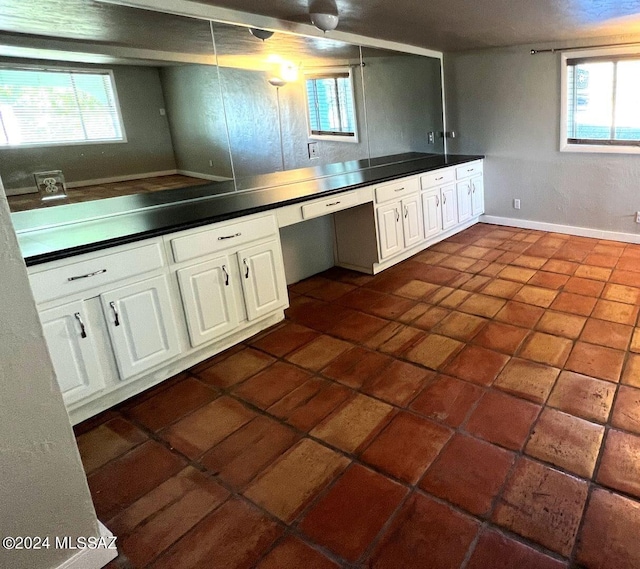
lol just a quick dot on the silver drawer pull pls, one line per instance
(440, 178)
(101, 271)
(470, 169)
(115, 313)
(226, 275)
(229, 236)
(332, 204)
(83, 332)
(399, 189)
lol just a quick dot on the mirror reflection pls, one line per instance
(226, 108)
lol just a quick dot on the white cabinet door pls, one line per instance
(412, 220)
(72, 351)
(263, 280)
(449, 207)
(390, 235)
(432, 213)
(464, 201)
(477, 196)
(209, 299)
(141, 324)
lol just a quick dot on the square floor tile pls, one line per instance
(416, 290)
(501, 337)
(433, 351)
(626, 412)
(468, 473)
(566, 441)
(307, 405)
(447, 399)
(243, 454)
(609, 536)
(543, 505)
(272, 384)
(428, 319)
(527, 379)
(318, 353)
(596, 361)
(583, 396)
(517, 274)
(355, 367)
(595, 273)
(289, 484)
(520, 314)
(610, 334)
(357, 327)
(497, 551)
(236, 368)
(560, 267)
(337, 521)
(622, 293)
(235, 535)
(546, 349)
(407, 446)
(207, 426)
(619, 467)
(631, 375)
(454, 299)
(503, 420)
(354, 423)
(536, 295)
(460, 326)
(482, 305)
(529, 262)
(291, 553)
(398, 383)
(477, 364)
(545, 279)
(635, 340)
(574, 303)
(330, 290)
(425, 533)
(502, 288)
(586, 287)
(121, 482)
(285, 339)
(389, 307)
(394, 339)
(616, 312)
(108, 441)
(561, 324)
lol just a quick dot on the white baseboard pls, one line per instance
(96, 181)
(92, 558)
(566, 229)
(203, 176)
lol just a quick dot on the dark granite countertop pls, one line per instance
(56, 233)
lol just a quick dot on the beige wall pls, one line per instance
(505, 103)
(43, 489)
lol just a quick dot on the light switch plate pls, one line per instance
(313, 150)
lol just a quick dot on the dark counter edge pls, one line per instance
(376, 175)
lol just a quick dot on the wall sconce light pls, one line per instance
(277, 81)
(324, 21)
(260, 34)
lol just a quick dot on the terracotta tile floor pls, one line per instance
(476, 406)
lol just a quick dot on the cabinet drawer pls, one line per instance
(334, 203)
(397, 190)
(437, 178)
(467, 170)
(76, 277)
(219, 237)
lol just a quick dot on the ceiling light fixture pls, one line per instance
(260, 34)
(324, 21)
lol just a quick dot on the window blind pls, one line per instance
(55, 106)
(330, 105)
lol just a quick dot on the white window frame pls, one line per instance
(93, 71)
(566, 146)
(308, 74)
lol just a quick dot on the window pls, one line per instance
(43, 107)
(330, 105)
(601, 94)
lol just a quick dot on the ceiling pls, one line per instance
(444, 25)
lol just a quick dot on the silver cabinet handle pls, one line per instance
(473, 187)
(399, 189)
(469, 190)
(397, 215)
(332, 204)
(437, 201)
(406, 212)
(83, 332)
(226, 275)
(444, 199)
(246, 266)
(115, 313)
(101, 271)
(229, 236)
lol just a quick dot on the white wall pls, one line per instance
(43, 489)
(505, 103)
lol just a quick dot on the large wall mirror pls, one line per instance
(119, 109)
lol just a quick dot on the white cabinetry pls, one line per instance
(390, 236)
(449, 207)
(72, 351)
(477, 195)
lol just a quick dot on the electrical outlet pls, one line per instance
(431, 137)
(162, 112)
(50, 184)
(312, 147)
(637, 216)
(211, 163)
(516, 204)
